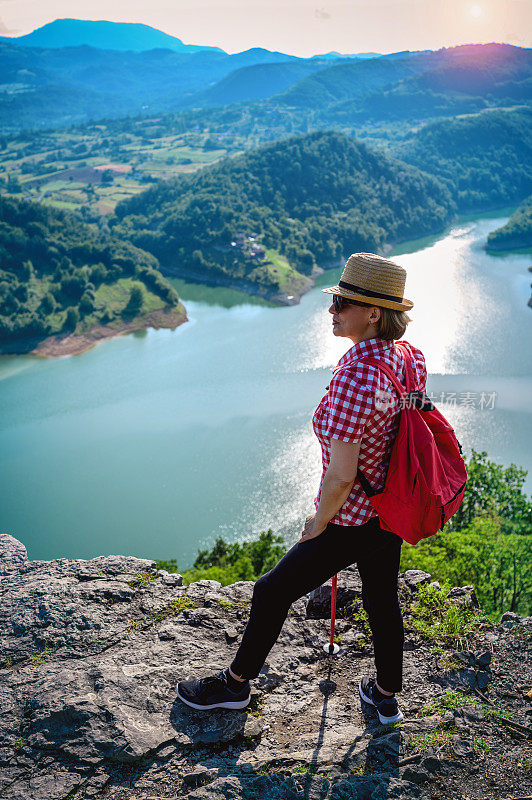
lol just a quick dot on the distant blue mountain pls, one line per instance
(255, 82)
(106, 36)
(333, 55)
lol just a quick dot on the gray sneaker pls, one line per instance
(387, 709)
(213, 692)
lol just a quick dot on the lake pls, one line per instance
(154, 444)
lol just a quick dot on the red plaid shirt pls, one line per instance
(362, 405)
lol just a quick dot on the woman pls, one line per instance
(356, 423)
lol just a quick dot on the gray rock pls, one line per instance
(12, 553)
(510, 619)
(416, 577)
(200, 776)
(377, 788)
(473, 714)
(482, 658)
(464, 594)
(463, 748)
(349, 591)
(231, 633)
(433, 765)
(483, 680)
(91, 651)
(172, 579)
(416, 774)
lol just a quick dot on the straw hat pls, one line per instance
(373, 279)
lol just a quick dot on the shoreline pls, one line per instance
(71, 344)
(291, 297)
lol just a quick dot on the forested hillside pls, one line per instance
(59, 274)
(418, 86)
(517, 232)
(484, 159)
(352, 80)
(254, 82)
(313, 199)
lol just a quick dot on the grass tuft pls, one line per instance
(451, 623)
(425, 741)
(174, 608)
(142, 579)
(480, 744)
(39, 658)
(19, 744)
(446, 702)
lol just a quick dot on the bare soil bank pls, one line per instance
(69, 344)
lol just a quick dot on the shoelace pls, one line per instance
(210, 683)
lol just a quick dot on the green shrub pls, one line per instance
(229, 563)
(488, 542)
(495, 563)
(494, 490)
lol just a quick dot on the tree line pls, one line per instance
(51, 265)
(313, 198)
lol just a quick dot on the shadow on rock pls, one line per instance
(218, 725)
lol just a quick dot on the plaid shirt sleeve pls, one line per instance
(351, 402)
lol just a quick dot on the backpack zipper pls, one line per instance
(447, 503)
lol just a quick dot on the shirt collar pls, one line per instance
(373, 348)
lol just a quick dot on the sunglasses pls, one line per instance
(340, 302)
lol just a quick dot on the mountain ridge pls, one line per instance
(104, 34)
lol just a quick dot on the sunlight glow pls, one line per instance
(476, 11)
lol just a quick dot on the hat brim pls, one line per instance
(406, 305)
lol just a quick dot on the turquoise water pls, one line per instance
(153, 444)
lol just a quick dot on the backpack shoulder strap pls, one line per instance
(408, 359)
(366, 486)
(389, 372)
(409, 374)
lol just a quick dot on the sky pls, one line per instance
(299, 27)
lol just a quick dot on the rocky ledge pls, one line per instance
(92, 650)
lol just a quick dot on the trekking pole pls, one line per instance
(332, 648)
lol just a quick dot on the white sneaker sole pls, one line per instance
(233, 704)
(384, 720)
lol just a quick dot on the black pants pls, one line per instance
(308, 565)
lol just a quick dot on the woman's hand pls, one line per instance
(311, 530)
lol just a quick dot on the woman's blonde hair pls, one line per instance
(392, 324)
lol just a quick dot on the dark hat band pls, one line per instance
(367, 293)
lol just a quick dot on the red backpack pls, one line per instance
(426, 477)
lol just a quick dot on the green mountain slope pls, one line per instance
(350, 80)
(60, 275)
(311, 199)
(42, 87)
(485, 159)
(517, 232)
(256, 82)
(447, 81)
